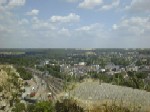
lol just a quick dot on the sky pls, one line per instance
(74, 23)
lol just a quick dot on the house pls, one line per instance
(144, 70)
(112, 67)
(94, 68)
(132, 68)
(82, 63)
(102, 70)
(111, 73)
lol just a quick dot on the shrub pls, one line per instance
(68, 106)
(1, 88)
(19, 107)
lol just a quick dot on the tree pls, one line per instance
(141, 75)
(19, 107)
(45, 106)
(30, 107)
(24, 74)
(68, 106)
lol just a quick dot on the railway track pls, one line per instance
(54, 85)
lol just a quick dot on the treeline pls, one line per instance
(19, 61)
(134, 79)
(141, 62)
(120, 61)
(145, 52)
(53, 70)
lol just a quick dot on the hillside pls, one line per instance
(92, 93)
(10, 87)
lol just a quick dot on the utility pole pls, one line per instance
(100, 78)
(118, 79)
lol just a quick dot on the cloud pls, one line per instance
(139, 6)
(114, 4)
(72, 17)
(39, 24)
(34, 12)
(99, 4)
(55, 22)
(135, 26)
(35, 20)
(3, 1)
(72, 1)
(23, 22)
(65, 32)
(16, 2)
(44, 33)
(94, 35)
(57, 32)
(90, 4)
(132, 32)
(8, 5)
(115, 27)
(13, 32)
(91, 27)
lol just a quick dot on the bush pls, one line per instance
(112, 108)
(19, 107)
(44, 106)
(68, 106)
(1, 88)
(30, 107)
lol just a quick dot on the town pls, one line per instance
(59, 74)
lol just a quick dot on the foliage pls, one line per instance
(120, 61)
(134, 80)
(141, 75)
(53, 70)
(47, 106)
(1, 88)
(68, 106)
(139, 63)
(30, 108)
(114, 108)
(101, 76)
(19, 107)
(20, 61)
(24, 74)
(44, 106)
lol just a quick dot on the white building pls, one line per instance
(82, 63)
